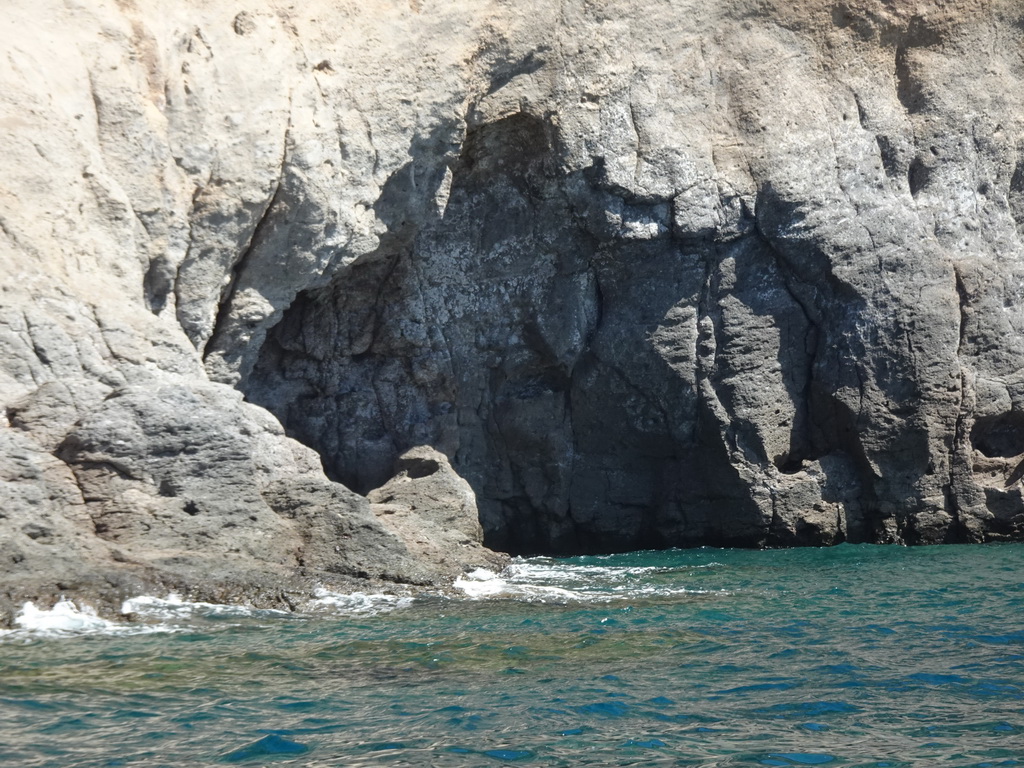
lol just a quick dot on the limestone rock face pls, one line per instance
(648, 274)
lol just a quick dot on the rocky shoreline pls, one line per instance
(397, 546)
(640, 275)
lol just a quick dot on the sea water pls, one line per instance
(849, 656)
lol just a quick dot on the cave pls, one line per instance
(591, 362)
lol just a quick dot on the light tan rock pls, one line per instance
(433, 512)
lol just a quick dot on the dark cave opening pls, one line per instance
(999, 436)
(578, 360)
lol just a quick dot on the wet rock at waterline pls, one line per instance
(646, 274)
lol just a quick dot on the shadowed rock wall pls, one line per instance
(649, 274)
(732, 290)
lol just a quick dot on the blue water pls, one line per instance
(852, 656)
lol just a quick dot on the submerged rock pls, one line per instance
(646, 274)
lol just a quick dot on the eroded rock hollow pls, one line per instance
(647, 274)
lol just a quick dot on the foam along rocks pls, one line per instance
(65, 616)
(68, 619)
(170, 613)
(533, 581)
(173, 607)
(482, 583)
(356, 602)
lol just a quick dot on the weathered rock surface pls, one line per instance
(433, 512)
(649, 274)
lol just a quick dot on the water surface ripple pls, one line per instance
(852, 656)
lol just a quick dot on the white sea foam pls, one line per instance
(173, 608)
(65, 616)
(68, 619)
(356, 602)
(174, 614)
(542, 580)
(483, 583)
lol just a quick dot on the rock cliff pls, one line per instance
(741, 272)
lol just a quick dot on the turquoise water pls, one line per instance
(852, 656)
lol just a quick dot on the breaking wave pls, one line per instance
(67, 619)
